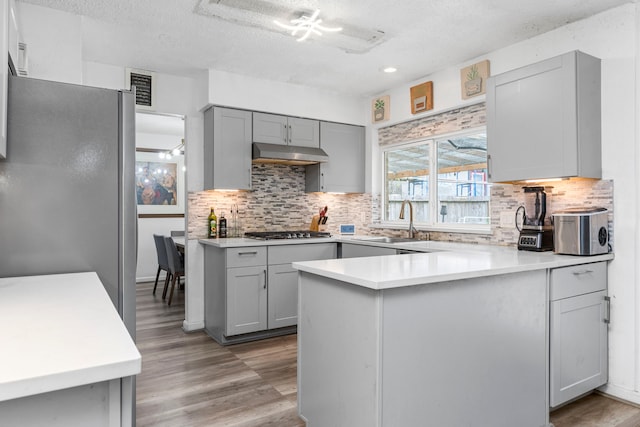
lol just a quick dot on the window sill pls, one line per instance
(462, 229)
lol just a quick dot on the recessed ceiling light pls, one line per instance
(389, 69)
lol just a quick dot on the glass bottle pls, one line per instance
(213, 224)
(222, 226)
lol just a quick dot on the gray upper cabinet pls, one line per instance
(283, 130)
(345, 170)
(4, 75)
(227, 149)
(543, 120)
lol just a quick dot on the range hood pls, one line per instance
(288, 154)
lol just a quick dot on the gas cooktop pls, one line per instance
(295, 234)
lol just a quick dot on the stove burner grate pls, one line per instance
(293, 234)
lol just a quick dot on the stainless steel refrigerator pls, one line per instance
(67, 187)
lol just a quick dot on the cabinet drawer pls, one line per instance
(246, 257)
(577, 280)
(308, 252)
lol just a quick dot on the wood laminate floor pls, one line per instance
(188, 380)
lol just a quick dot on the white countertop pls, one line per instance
(453, 262)
(60, 331)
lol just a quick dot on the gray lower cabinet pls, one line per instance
(246, 299)
(345, 170)
(227, 149)
(252, 292)
(283, 296)
(579, 316)
(543, 120)
(283, 279)
(350, 250)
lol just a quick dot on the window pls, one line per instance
(444, 178)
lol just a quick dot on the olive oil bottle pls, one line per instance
(213, 225)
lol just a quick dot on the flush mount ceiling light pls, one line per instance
(260, 14)
(179, 149)
(307, 25)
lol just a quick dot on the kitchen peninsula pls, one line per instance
(66, 353)
(453, 337)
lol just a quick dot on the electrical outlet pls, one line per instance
(507, 219)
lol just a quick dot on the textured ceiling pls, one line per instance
(418, 37)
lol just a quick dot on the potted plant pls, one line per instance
(473, 85)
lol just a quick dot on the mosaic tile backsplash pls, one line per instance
(278, 202)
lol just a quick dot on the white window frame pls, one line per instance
(434, 225)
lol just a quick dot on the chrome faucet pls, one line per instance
(411, 228)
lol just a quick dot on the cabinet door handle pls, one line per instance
(289, 135)
(248, 253)
(286, 135)
(322, 181)
(265, 278)
(607, 317)
(249, 179)
(488, 165)
(580, 273)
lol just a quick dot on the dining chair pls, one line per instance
(176, 267)
(163, 262)
(177, 233)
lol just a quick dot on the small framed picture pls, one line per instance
(145, 83)
(473, 79)
(159, 184)
(421, 97)
(381, 109)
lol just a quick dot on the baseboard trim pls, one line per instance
(150, 279)
(193, 326)
(631, 397)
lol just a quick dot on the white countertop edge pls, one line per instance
(236, 242)
(54, 313)
(62, 380)
(321, 268)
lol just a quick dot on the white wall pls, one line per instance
(233, 90)
(56, 58)
(611, 36)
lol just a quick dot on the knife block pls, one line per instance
(314, 226)
(317, 222)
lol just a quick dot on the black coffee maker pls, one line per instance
(534, 234)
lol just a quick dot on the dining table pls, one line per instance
(179, 241)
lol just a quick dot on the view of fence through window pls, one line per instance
(407, 177)
(458, 166)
